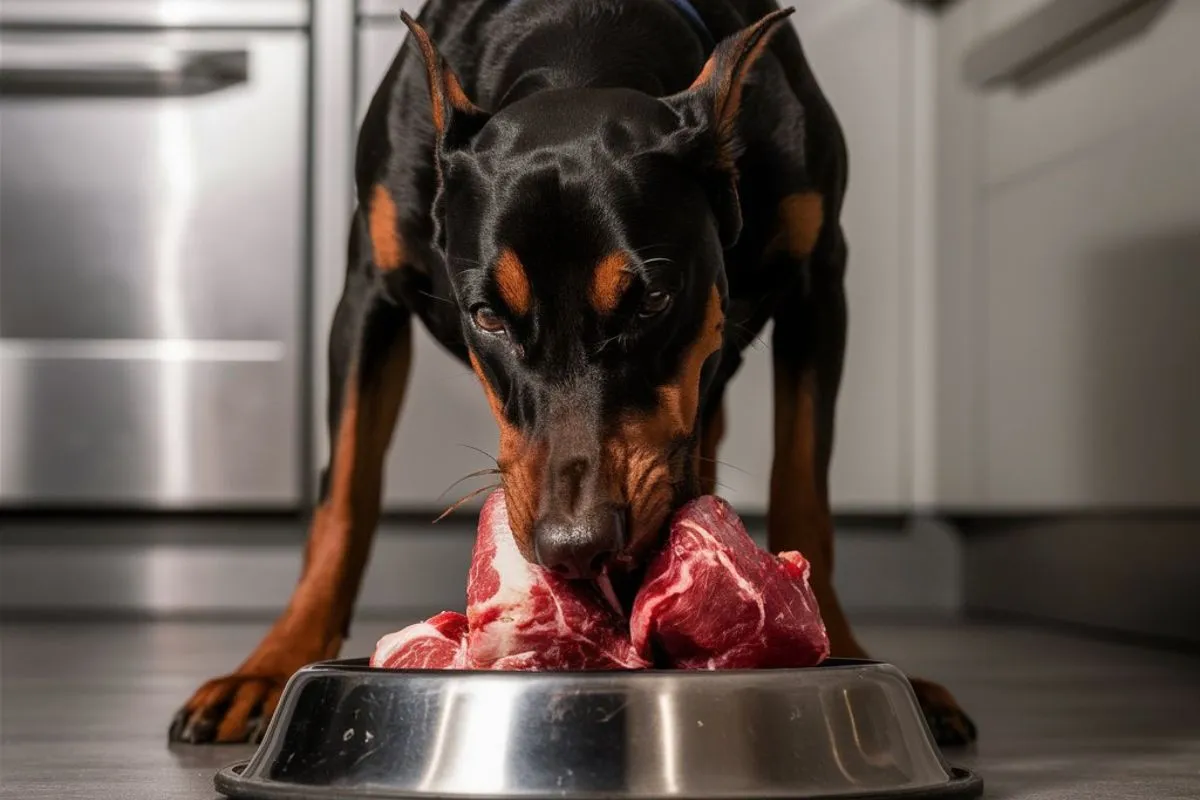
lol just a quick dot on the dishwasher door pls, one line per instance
(152, 206)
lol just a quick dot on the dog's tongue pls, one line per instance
(605, 585)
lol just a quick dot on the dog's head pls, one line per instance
(583, 230)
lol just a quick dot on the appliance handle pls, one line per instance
(172, 73)
(1059, 25)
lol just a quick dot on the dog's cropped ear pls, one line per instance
(708, 111)
(455, 118)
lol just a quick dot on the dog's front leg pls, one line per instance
(370, 352)
(808, 349)
(808, 344)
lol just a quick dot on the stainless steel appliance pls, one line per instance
(153, 200)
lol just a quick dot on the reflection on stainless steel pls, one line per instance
(28, 72)
(668, 743)
(844, 729)
(473, 731)
(152, 255)
(384, 10)
(111, 432)
(166, 350)
(166, 13)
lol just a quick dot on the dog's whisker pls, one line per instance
(637, 251)
(464, 500)
(750, 336)
(482, 452)
(476, 474)
(600, 347)
(433, 296)
(719, 462)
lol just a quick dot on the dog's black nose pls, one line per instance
(579, 547)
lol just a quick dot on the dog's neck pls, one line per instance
(654, 46)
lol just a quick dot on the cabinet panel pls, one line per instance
(1067, 268)
(860, 54)
(1091, 328)
(149, 425)
(957, 384)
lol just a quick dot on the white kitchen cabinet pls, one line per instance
(863, 54)
(1070, 268)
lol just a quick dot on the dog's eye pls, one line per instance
(654, 303)
(487, 321)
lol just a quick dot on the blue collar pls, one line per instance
(689, 11)
(694, 19)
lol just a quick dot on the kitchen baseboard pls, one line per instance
(206, 568)
(1126, 575)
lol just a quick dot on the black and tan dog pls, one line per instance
(604, 205)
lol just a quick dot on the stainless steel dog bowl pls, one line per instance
(846, 729)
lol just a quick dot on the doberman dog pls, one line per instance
(597, 206)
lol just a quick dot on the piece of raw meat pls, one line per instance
(524, 617)
(712, 599)
(439, 642)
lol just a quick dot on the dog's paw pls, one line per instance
(950, 725)
(236, 708)
(232, 709)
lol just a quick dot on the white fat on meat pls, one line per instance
(522, 616)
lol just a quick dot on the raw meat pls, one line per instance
(439, 642)
(524, 617)
(712, 599)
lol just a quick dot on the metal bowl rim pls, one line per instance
(362, 665)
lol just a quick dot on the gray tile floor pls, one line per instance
(84, 708)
